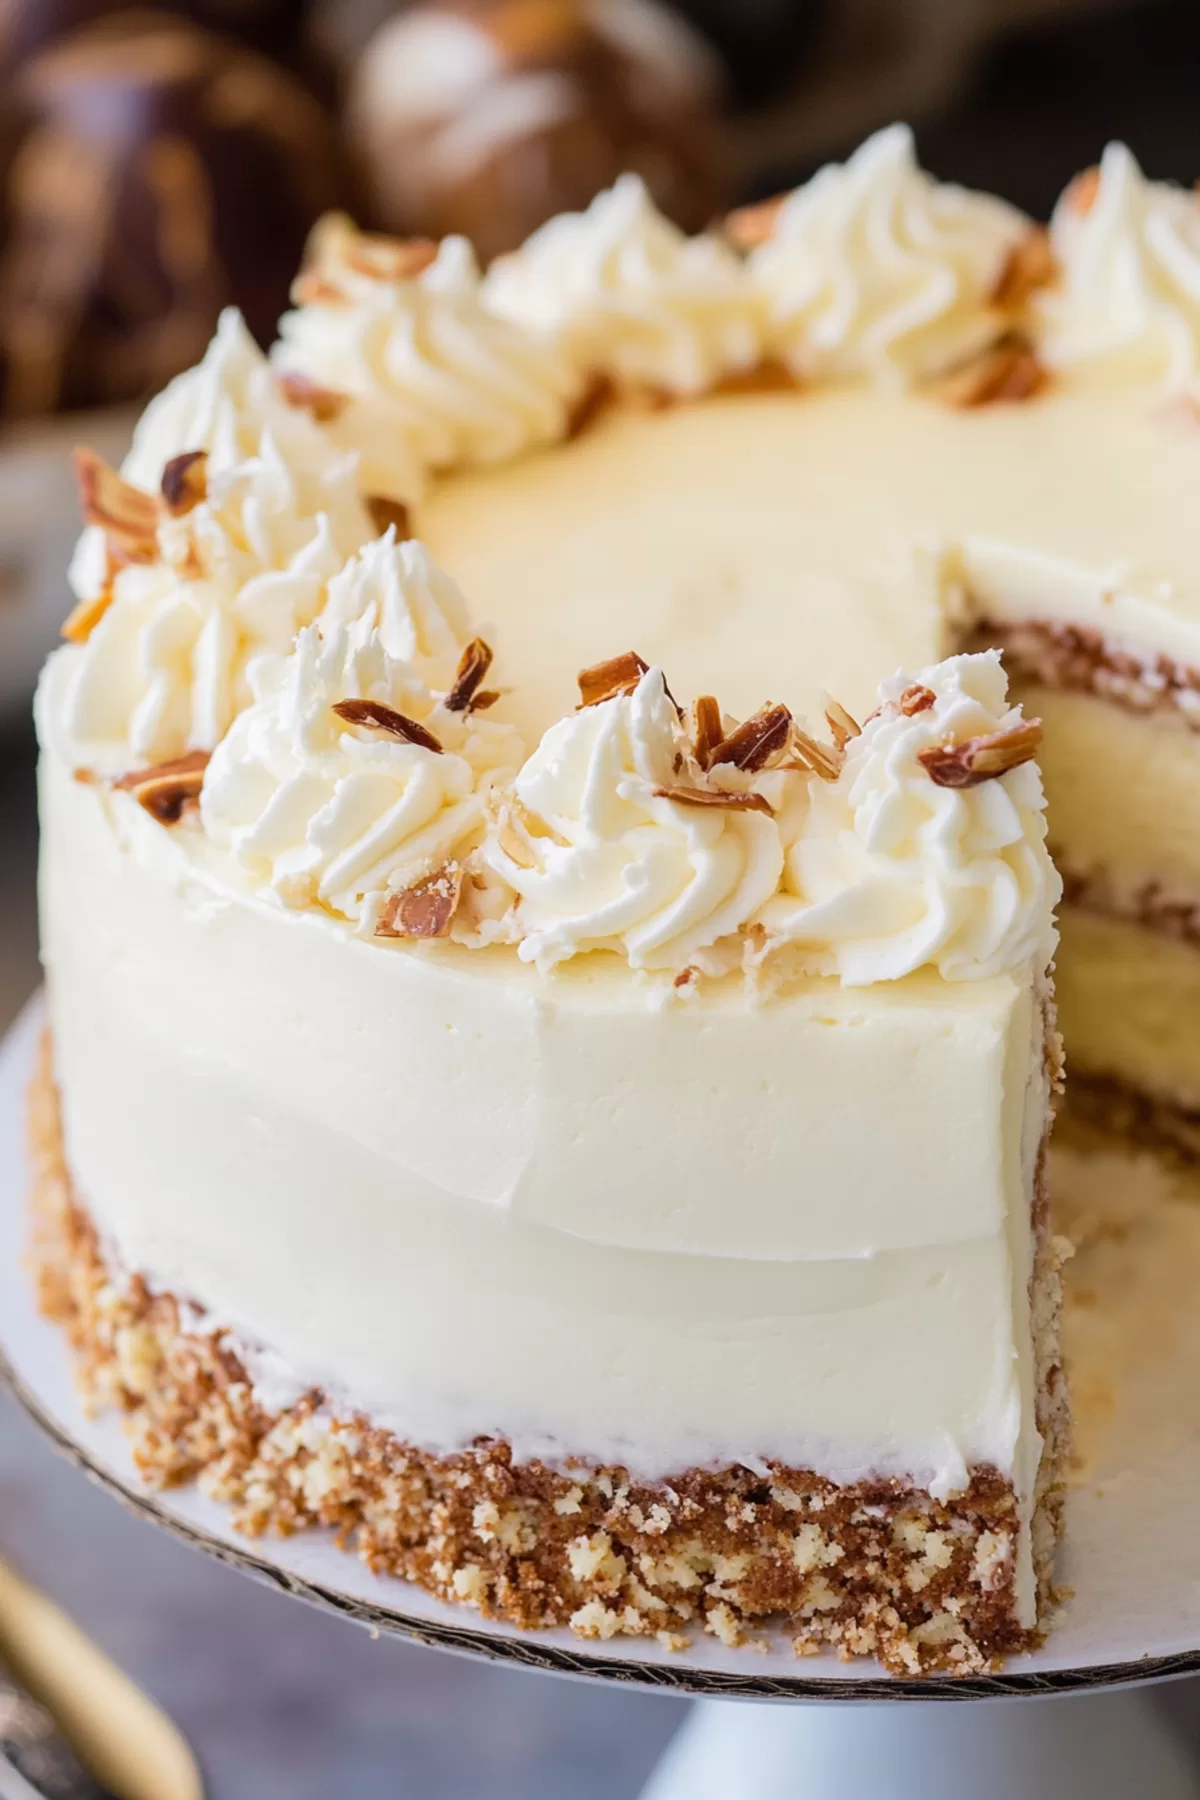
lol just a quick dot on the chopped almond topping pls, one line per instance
(424, 910)
(749, 226)
(685, 977)
(324, 404)
(981, 759)
(1028, 266)
(185, 481)
(1007, 370)
(312, 288)
(127, 515)
(385, 718)
(85, 615)
(752, 744)
(810, 754)
(473, 665)
(689, 796)
(167, 788)
(916, 699)
(1081, 194)
(515, 847)
(383, 511)
(605, 680)
(483, 699)
(385, 258)
(707, 729)
(842, 724)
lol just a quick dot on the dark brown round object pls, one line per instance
(489, 116)
(162, 173)
(28, 26)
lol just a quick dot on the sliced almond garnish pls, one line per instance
(981, 759)
(916, 699)
(383, 512)
(473, 665)
(707, 729)
(605, 680)
(312, 287)
(484, 698)
(1028, 266)
(388, 258)
(753, 743)
(1081, 193)
(592, 402)
(166, 788)
(127, 515)
(689, 796)
(515, 847)
(323, 404)
(85, 615)
(843, 725)
(424, 910)
(686, 977)
(749, 226)
(811, 754)
(185, 481)
(1007, 370)
(385, 718)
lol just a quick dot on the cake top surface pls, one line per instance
(690, 474)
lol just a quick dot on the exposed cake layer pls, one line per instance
(874, 1568)
(413, 1172)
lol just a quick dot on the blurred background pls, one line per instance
(158, 164)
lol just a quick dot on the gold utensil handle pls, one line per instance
(36, 1761)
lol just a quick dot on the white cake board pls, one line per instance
(1131, 1564)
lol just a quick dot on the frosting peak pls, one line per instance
(319, 811)
(630, 297)
(602, 860)
(430, 378)
(875, 268)
(891, 871)
(1128, 299)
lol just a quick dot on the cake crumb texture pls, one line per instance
(875, 1569)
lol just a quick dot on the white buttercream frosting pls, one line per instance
(891, 872)
(614, 864)
(434, 380)
(876, 268)
(630, 297)
(321, 812)
(1128, 297)
(419, 612)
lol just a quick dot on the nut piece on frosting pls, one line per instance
(430, 379)
(895, 869)
(324, 802)
(631, 299)
(1128, 299)
(875, 268)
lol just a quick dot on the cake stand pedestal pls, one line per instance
(1131, 1565)
(1082, 1747)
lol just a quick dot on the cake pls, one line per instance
(552, 1076)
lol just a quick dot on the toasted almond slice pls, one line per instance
(749, 226)
(686, 976)
(515, 847)
(818, 758)
(384, 512)
(127, 515)
(690, 796)
(1029, 265)
(981, 759)
(605, 680)
(916, 699)
(323, 404)
(166, 788)
(385, 718)
(1081, 193)
(383, 258)
(424, 910)
(85, 615)
(596, 397)
(707, 730)
(1007, 370)
(185, 481)
(753, 743)
(486, 697)
(842, 724)
(473, 665)
(312, 287)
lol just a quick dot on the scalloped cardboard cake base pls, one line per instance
(1130, 1568)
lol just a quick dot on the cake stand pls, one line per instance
(1131, 1565)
